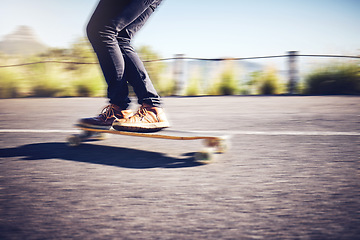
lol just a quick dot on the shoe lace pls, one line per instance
(142, 112)
(108, 112)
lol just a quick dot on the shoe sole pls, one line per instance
(150, 127)
(94, 126)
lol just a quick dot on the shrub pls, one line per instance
(44, 79)
(193, 87)
(268, 83)
(88, 84)
(228, 84)
(8, 84)
(46, 87)
(334, 79)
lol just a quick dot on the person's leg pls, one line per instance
(150, 116)
(108, 51)
(109, 19)
(117, 59)
(135, 72)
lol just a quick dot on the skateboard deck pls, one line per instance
(214, 142)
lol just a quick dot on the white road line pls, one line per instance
(294, 133)
(264, 133)
(37, 131)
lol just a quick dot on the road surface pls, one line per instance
(292, 172)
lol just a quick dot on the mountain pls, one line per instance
(23, 41)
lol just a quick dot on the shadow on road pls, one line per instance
(96, 154)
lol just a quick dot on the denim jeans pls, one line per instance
(110, 30)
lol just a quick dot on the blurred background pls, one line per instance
(190, 48)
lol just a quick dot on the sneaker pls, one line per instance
(106, 118)
(147, 119)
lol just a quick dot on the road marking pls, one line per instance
(264, 133)
(37, 131)
(294, 133)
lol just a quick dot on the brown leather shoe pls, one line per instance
(106, 118)
(147, 118)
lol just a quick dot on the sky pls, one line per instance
(207, 28)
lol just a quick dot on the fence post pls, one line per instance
(179, 74)
(293, 71)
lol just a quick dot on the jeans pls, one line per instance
(110, 30)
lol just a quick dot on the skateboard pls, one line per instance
(214, 142)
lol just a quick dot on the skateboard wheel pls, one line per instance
(91, 135)
(74, 140)
(98, 136)
(85, 134)
(222, 146)
(205, 156)
(210, 142)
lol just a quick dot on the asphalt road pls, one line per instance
(292, 172)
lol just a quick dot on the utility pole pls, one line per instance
(293, 71)
(179, 74)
